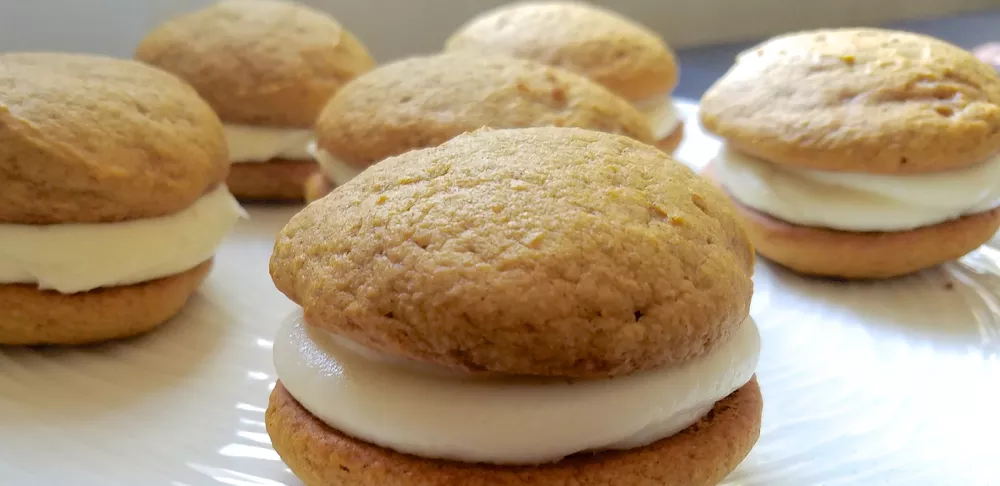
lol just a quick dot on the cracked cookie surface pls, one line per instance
(259, 62)
(628, 58)
(543, 251)
(425, 101)
(91, 139)
(861, 100)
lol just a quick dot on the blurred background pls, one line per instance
(706, 33)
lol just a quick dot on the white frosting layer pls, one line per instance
(260, 144)
(663, 116)
(77, 257)
(855, 201)
(422, 410)
(335, 169)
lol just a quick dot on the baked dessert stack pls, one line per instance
(267, 67)
(112, 197)
(629, 59)
(543, 306)
(859, 153)
(425, 101)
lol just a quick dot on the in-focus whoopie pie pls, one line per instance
(626, 57)
(859, 153)
(542, 306)
(425, 101)
(267, 67)
(112, 197)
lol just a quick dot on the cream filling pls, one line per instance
(335, 169)
(663, 115)
(78, 257)
(856, 201)
(249, 144)
(422, 410)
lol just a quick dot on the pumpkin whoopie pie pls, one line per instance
(112, 197)
(859, 153)
(267, 67)
(541, 306)
(425, 101)
(629, 59)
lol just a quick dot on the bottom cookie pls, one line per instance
(825, 252)
(670, 143)
(702, 454)
(29, 316)
(317, 186)
(274, 180)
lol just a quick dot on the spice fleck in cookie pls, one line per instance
(267, 67)
(577, 284)
(859, 153)
(112, 200)
(629, 59)
(425, 101)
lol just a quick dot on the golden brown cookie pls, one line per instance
(701, 455)
(317, 186)
(627, 58)
(89, 139)
(29, 316)
(869, 255)
(825, 252)
(259, 62)
(425, 101)
(540, 251)
(275, 180)
(670, 143)
(860, 100)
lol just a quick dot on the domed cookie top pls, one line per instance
(864, 100)
(628, 58)
(540, 251)
(87, 139)
(425, 101)
(259, 62)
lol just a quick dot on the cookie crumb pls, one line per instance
(519, 185)
(700, 202)
(534, 240)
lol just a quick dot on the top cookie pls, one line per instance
(259, 62)
(540, 251)
(425, 101)
(628, 58)
(860, 100)
(88, 139)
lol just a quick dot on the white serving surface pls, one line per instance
(883, 383)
